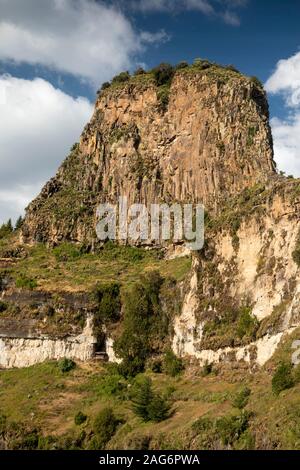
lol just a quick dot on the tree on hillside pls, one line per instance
(148, 405)
(19, 223)
(6, 229)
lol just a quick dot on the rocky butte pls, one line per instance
(199, 133)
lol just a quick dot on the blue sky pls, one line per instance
(54, 54)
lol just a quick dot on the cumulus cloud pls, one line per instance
(286, 135)
(82, 37)
(285, 81)
(39, 123)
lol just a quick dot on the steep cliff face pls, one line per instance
(244, 291)
(210, 141)
(203, 137)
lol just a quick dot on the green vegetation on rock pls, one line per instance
(282, 378)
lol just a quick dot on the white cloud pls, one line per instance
(285, 81)
(286, 135)
(231, 18)
(224, 9)
(38, 126)
(158, 37)
(81, 37)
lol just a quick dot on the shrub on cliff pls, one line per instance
(139, 71)
(240, 400)
(108, 300)
(104, 86)
(19, 223)
(163, 74)
(144, 323)
(172, 365)
(282, 378)
(296, 252)
(121, 78)
(80, 418)
(182, 65)
(66, 365)
(206, 369)
(202, 64)
(3, 306)
(247, 323)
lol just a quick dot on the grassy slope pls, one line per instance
(41, 396)
(53, 271)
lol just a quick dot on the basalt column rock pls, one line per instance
(211, 140)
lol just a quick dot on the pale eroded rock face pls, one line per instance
(24, 352)
(258, 272)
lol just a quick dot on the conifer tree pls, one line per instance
(158, 409)
(148, 405)
(9, 226)
(19, 223)
(143, 399)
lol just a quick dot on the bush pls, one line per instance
(19, 223)
(66, 252)
(75, 147)
(105, 86)
(105, 426)
(163, 74)
(111, 383)
(282, 378)
(202, 64)
(247, 324)
(121, 78)
(80, 418)
(144, 324)
(108, 300)
(155, 365)
(241, 398)
(24, 282)
(230, 428)
(296, 252)
(66, 365)
(163, 95)
(6, 229)
(30, 441)
(182, 65)
(148, 405)
(172, 365)
(139, 71)
(207, 369)
(111, 251)
(296, 374)
(202, 424)
(3, 306)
